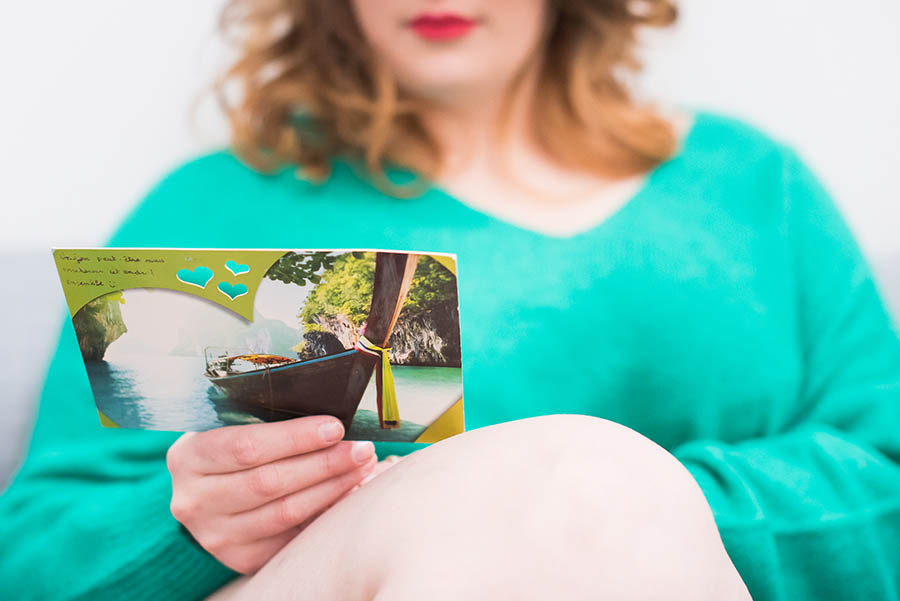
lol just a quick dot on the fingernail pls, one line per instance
(369, 472)
(362, 451)
(331, 431)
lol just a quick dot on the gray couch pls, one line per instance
(31, 313)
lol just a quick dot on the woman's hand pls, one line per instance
(380, 467)
(244, 492)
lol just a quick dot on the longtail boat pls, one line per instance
(331, 384)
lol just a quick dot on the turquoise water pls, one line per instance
(171, 393)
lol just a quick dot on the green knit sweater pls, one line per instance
(725, 312)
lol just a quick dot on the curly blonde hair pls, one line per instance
(309, 90)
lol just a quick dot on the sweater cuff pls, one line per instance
(158, 558)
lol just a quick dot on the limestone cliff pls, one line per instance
(425, 340)
(420, 340)
(98, 324)
(426, 333)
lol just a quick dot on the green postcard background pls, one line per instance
(87, 274)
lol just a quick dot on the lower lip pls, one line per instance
(442, 30)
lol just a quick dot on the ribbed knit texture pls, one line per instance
(725, 312)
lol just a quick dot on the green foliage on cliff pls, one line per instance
(432, 287)
(346, 289)
(294, 268)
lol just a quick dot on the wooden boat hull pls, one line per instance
(331, 385)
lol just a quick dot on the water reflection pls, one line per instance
(171, 393)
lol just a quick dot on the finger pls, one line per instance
(242, 491)
(380, 467)
(292, 510)
(250, 557)
(383, 466)
(236, 448)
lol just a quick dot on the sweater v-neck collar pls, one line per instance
(648, 184)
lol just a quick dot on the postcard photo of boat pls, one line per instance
(371, 337)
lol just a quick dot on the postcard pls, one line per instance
(194, 339)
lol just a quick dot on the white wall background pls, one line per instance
(96, 98)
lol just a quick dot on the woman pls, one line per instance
(683, 276)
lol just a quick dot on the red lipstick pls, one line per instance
(441, 27)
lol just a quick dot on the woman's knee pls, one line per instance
(559, 506)
(566, 462)
(558, 495)
(632, 514)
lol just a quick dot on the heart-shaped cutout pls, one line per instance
(199, 276)
(232, 291)
(237, 268)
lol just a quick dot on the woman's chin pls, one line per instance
(446, 86)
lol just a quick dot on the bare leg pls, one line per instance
(564, 507)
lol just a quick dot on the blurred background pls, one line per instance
(101, 98)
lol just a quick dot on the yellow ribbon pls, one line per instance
(388, 409)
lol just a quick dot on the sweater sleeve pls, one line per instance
(87, 515)
(812, 510)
